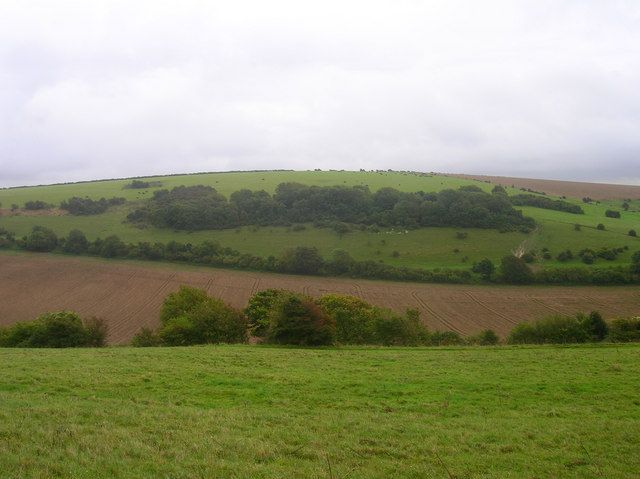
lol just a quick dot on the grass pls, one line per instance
(243, 411)
(423, 248)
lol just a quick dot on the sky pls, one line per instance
(94, 89)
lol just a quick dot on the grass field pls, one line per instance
(423, 248)
(243, 411)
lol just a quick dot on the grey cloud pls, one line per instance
(112, 88)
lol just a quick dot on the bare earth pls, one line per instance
(572, 189)
(128, 295)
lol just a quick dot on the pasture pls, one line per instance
(420, 248)
(259, 412)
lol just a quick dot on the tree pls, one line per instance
(113, 247)
(76, 243)
(515, 271)
(302, 260)
(40, 239)
(484, 268)
(595, 325)
(191, 317)
(259, 308)
(299, 320)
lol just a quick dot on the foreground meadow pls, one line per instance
(247, 411)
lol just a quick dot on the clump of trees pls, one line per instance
(63, 329)
(141, 185)
(189, 316)
(546, 203)
(202, 207)
(37, 205)
(87, 206)
(581, 328)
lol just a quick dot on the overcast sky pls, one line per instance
(98, 89)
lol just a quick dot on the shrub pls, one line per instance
(600, 227)
(484, 268)
(113, 247)
(189, 316)
(76, 243)
(298, 320)
(87, 206)
(37, 205)
(63, 329)
(40, 239)
(624, 330)
(145, 338)
(633, 233)
(612, 214)
(529, 257)
(302, 260)
(7, 238)
(445, 338)
(488, 337)
(461, 235)
(515, 271)
(565, 255)
(577, 227)
(259, 308)
(557, 329)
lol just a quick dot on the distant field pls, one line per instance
(422, 248)
(128, 294)
(255, 412)
(574, 189)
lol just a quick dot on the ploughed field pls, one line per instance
(128, 294)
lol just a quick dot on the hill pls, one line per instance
(246, 411)
(430, 247)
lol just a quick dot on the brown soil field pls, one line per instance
(572, 189)
(23, 212)
(128, 294)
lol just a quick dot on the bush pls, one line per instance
(76, 243)
(63, 329)
(565, 255)
(557, 329)
(358, 322)
(488, 337)
(612, 214)
(40, 239)
(298, 320)
(624, 330)
(145, 338)
(87, 206)
(302, 260)
(259, 308)
(37, 205)
(189, 316)
(633, 233)
(7, 238)
(484, 268)
(514, 270)
(600, 227)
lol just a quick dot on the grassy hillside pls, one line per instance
(257, 412)
(426, 247)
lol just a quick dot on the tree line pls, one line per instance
(202, 207)
(308, 260)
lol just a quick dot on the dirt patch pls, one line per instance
(572, 189)
(23, 212)
(128, 295)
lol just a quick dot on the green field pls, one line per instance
(247, 411)
(423, 248)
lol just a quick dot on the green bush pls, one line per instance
(514, 270)
(259, 308)
(189, 316)
(145, 338)
(558, 329)
(488, 337)
(63, 329)
(75, 243)
(298, 320)
(40, 239)
(624, 330)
